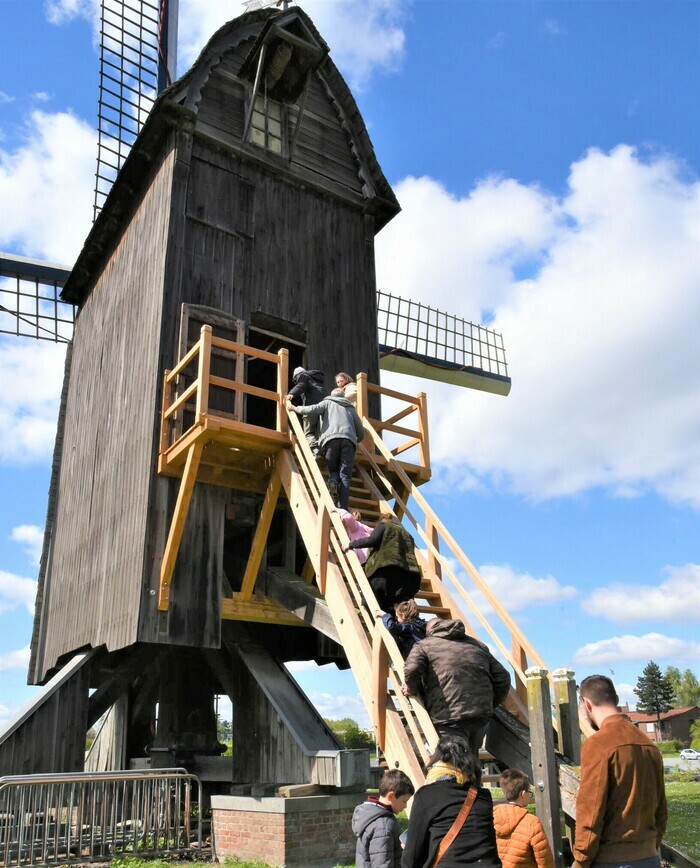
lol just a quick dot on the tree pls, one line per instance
(654, 691)
(686, 687)
(224, 731)
(349, 734)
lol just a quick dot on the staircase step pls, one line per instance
(434, 610)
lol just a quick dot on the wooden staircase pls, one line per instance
(403, 729)
(200, 443)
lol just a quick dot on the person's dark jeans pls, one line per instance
(473, 729)
(340, 457)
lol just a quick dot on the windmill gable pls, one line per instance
(266, 88)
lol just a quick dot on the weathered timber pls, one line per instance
(48, 732)
(544, 766)
(300, 598)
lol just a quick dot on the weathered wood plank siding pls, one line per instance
(96, 573)
(52, 739)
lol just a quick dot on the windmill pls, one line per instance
(187, 525)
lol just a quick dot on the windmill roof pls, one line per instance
(177, 107)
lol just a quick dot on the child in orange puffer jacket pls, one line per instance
(520, 837)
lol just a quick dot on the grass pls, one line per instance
(684, 817)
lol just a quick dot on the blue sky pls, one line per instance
(546, 155)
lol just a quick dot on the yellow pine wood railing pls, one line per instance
(372, 652)
(434, 535)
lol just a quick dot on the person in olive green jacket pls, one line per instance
(392, 568)
(621, 809)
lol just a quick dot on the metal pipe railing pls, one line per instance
(48, 819)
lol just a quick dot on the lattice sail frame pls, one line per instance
(138, 40)
(30, 304)
(435, 337)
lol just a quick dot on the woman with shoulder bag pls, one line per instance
(452, 815)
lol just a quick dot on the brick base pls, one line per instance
(313, 831)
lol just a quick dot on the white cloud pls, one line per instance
(32, 375)
(49, 181)
(600, 336)
(497, 41)
(18, 659)
(626, 695)
(520, 590)
(650, 646)
(677, 598)
(5, 98)
(33, 539)
(364, 35)
(551, 27)
(62, 11)
(16, 591)
(339, 706)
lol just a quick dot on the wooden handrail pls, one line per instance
(235, 347)
(183, 363)
(240, 386)
(330, 527)
(461, 558)
(390, 393)
(181, 399)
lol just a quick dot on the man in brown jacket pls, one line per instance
(621, 806)
(458, 679)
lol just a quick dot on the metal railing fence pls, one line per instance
(68, 818)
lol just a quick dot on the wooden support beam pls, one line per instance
(282, 387)
(177, 525)
(544, 764)
(380, 667)
(323, 531)
(260, 538)
(117, 682)
(520, 657)
(260, 610)
(203, 373)
(433, 535)
(566, 707)
(164, 424)
(295, 595)
(423, 428)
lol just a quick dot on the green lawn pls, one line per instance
(684, 817)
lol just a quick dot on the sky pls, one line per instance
(546, 157)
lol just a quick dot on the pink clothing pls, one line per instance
(356, 530)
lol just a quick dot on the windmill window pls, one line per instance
(266, 125)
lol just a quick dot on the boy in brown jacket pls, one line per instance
(520, 837)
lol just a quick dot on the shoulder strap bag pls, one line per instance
(456, 826)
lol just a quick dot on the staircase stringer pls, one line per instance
(458, 554)
(351, 601)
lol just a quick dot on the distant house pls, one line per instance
(674, 723)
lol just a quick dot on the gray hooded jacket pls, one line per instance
(378, 844)
(338, 419)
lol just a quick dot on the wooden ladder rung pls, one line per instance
(434, 610)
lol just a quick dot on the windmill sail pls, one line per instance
(138, 41)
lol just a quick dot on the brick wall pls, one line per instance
(314, 832)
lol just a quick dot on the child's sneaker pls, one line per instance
(334, 490)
